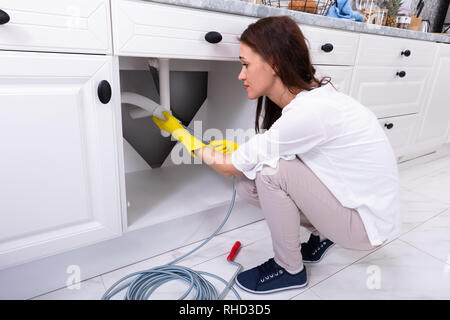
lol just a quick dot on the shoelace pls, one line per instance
(268, 270)
(319, 247)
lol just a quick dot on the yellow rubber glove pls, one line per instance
(175, 128)
(224, 146)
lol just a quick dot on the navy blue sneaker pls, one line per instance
(270, 277)
(314, 250)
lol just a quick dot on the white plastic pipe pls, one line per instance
(164, 87)
(147, 107)
(164, 82)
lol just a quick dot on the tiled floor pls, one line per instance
(415, 265)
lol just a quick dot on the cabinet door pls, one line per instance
(399, 131)
(434, 128)
(59, 185)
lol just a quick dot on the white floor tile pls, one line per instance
(435, 185)
(395, 271)
(417, 208)
(432, 237)
(410, 175)
(307, 295)
(91, 289)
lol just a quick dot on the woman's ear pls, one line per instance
(275, 70)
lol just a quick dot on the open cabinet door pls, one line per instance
(59, 183)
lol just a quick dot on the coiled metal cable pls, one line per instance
(147, 281)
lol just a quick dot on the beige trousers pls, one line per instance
(291, 196)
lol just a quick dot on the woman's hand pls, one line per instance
(170, 124)
(176, 129)
(223, 146)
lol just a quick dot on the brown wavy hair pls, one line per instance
(280, 42)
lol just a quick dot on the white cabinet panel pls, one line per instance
(59, 178)
(434, 128)
(386, 93)
(81, 26)
(144, 28)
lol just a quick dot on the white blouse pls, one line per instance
(342, 142)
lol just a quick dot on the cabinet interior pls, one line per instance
(163, 182)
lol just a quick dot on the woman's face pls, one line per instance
(257, 75)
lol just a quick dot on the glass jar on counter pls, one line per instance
(403, 21)
(372, 12)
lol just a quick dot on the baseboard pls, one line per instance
(441, 152)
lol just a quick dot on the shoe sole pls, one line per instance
(270, 291)
(323, 254)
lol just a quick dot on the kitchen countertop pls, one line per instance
(260, 11)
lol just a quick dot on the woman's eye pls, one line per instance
(245, 65)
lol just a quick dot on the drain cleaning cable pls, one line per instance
(147, 281)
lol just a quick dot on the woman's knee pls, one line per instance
(275, 176)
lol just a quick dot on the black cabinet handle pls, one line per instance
(406, 53)
(213, 37)
(401, 74)
(104, 91)
(389, 125)
(4, 17)
(327, 47)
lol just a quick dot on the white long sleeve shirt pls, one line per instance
(342, 142)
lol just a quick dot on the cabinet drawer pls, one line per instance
(149, 29)
(399, 131)
(386, 93)
(81, 26)
(387, 51)
(344, 45)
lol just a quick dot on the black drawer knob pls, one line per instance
(327, 47)
(401, 74)
(389, 125)
(4, 17)
(213, 37)
(406, 53)
(104, 91)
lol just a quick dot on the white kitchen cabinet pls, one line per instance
(391, 74)
(433, 129)
(59, 160)
(82, 26)
(181, 186)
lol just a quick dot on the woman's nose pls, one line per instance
(241, 75)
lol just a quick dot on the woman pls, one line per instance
(331, 168)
